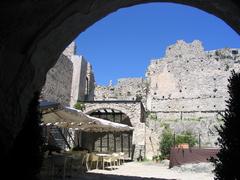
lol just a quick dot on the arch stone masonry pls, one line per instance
(34, 33)
(136, 113)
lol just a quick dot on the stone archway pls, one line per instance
(33, 34)
(134, 110)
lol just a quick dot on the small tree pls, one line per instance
(228, 158)
(166, 142)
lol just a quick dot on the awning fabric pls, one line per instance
(72, 118)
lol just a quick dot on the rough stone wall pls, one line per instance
(125, 89)
(91, 83)
(59, 81)
(104, 93)
(188, 88)
(70, 50)
(67, 82)
(83, 82)
(189, 79)
(79, 79)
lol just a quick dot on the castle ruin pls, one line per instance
(185, 90)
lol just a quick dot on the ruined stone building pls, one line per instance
(70, 80)
(186, 90)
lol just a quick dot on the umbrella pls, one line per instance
(72, 118)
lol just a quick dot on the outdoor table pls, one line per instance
(102, 155)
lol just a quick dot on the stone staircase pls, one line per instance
(58, 138)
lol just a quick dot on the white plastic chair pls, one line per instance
(116, 159)
(90, 158)
(93, 159)
(121, 158)
(107, 160)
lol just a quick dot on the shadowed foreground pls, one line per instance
(95, 176)
(116, 177)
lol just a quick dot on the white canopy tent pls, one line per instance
(72, 118)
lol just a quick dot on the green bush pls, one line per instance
(166, 143)
(80, 106)
(186, 137)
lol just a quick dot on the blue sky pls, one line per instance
(123, 43)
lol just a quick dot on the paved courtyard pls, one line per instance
(145, 170)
